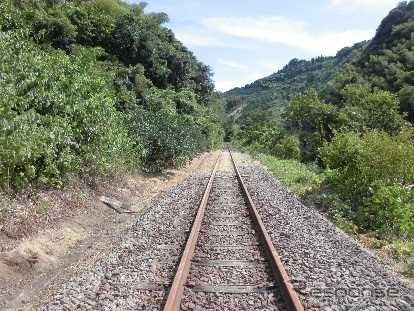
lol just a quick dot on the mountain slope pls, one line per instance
(387, 62)
(273, 93)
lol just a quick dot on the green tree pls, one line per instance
(287, 148)
(97, 85)
(360, 160)
(369, 109)
(313, 119)
(95, 20)
(390, 209)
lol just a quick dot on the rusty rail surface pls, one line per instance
(291, 298)
(177, 287)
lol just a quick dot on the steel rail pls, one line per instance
(290, 296)
(177, 288)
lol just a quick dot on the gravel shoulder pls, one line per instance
(47, 236)
(329, 269)
(137, 273)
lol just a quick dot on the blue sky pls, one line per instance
(245, 40)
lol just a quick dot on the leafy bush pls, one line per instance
(389, 209)
(95, 20)
(365, 109)
(260, 137)
(313, 119)
(57, 115)
(87, 85)
(211, 129)
(9, 18)
(287, 148)
(406, 95)
(169, 140)
(53, 27)
(371, 171)
(358, 160)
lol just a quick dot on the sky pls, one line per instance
(243, 41)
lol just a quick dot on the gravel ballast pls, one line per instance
(329, 269)
(137, 274)
(229, 270)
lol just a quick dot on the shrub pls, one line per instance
(9, 17)
(389, 209)
(91, 86)
(169, 140)
(358, 160)
(53, 28)
(95, 20)
(287, 148)
(313, 120)
(211, 130)
(156, 100)
(57, 115)
(370, 109)
(261, 137)
(371, 172)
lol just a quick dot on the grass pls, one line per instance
(43, 207)
(401, 252)
(299, 177)
(5, 203)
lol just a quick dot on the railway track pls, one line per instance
(229, 261)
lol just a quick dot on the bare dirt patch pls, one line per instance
(46, 236)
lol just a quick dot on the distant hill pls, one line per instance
(386, 61)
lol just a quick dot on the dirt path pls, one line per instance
(48, 236)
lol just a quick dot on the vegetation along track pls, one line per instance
(229, 262)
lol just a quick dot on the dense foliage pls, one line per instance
(388, 61)
(351, 115)
(374, 173)
(92, 86)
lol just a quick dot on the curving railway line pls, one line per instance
(229, 261)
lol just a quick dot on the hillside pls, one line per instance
(91, 87)
(386, 61)
(272, 93)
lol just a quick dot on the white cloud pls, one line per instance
(192, 38)
(368, 4)
(232, 64)
(225, 85)
(262, 69)
(282, 30)
(200, 36)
